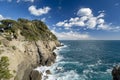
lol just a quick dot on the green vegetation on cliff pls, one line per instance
(32, 30)
(4, 71)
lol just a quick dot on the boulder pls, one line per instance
(116, 73)
(48, 72)
(35, 75)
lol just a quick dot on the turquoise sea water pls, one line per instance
(85, 60)
(88, 60)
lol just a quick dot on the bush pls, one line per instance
(13, 47)
(9, 38)
(4, 71)
(0, 42)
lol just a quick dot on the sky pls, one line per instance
(69, 19)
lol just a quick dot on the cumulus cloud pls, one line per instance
(86, 19)
(100, 21)
(84, 12)
(1, 17)
(71, 35)
(38, 12)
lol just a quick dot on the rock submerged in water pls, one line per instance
(116, 73)
(48, 72)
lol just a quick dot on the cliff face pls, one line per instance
(27, 44)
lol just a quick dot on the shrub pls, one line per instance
(13, 47)
(4, 71)
(0, 42)
(8, 38)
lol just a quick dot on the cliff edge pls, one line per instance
(27, 44)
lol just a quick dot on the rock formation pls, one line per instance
(116, 73)
(27, 44)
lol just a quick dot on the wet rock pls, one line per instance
(48, 62)
(116, 73)
(48, 72)
(35, 75)
(54, 54)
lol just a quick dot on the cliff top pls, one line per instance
(32, 30)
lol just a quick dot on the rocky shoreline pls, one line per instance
(27, 44)
(37, 75)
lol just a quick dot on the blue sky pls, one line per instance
(69, 19)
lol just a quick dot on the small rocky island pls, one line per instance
(24, 45)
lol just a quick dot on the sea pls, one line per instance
(84, 60)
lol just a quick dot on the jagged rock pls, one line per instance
(116, 73)
(54, 54)
(48, 72)
(35, 75)
(48, 62)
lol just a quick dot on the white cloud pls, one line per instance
(1, 17)
(103, 11)
(43, 19)
(108, 27)
(84, 12)
(25, 1)
(29, 0)
(101, 15)
(91, 23)
(86, 19)
(37, 12)
(6, 0)
(100, 21)
(104, 27)
(71, 35)
(61, 23)
(19, 0)
(9, 0)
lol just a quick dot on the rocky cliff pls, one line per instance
(27, 44)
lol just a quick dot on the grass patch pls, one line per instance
(4, 71)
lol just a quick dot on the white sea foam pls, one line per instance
(64, 76)
(109, 70)
(86, 71)
(57, 71)
(72, 62)
(99, 62)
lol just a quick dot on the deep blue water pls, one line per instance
(89, 60)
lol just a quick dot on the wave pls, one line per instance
(43, 69)
(64, 76)
(60, 73)
(57, 70)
